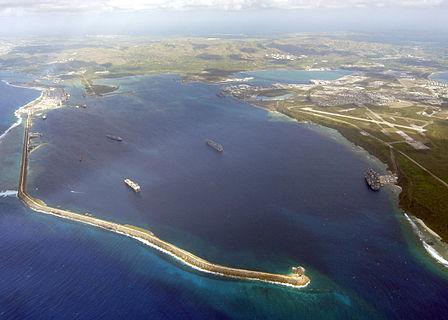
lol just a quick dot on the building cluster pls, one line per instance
(348, 90)
(421, 97)
(330, 96)
(434, 83)
(355, 89)
(62, 61)
(428, 92)
(57, 96)
(364, 66)
(284, 57)
(241, 90)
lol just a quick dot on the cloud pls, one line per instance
(18, 7)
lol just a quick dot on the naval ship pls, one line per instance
(133, 185)
(214, 145)
(373, 179)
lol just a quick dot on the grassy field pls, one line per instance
(97, 89)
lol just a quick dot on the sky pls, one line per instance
(200, 17)
(9, 7)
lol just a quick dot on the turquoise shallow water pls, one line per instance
(281, 194)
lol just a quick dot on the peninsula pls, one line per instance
(297, 278)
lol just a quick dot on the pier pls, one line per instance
(296, 278)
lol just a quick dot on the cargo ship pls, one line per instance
(214, 145)
(133, 185)
(373, 180)
(115, 138)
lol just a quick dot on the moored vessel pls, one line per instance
(373, 179)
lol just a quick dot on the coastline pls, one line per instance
(18, 111)
(270, 111)
(427, 236)
(131, 233)
(436, 255)
(439, 255)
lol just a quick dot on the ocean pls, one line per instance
(10, 98)
(282, 194)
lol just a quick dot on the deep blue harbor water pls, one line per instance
(281, 194)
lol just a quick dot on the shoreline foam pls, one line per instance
(177, 258)
(416, 227)
(20, 109)
(25, 198)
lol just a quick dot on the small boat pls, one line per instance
(44, 117)
(115, 138)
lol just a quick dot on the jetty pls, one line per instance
(296, 278)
